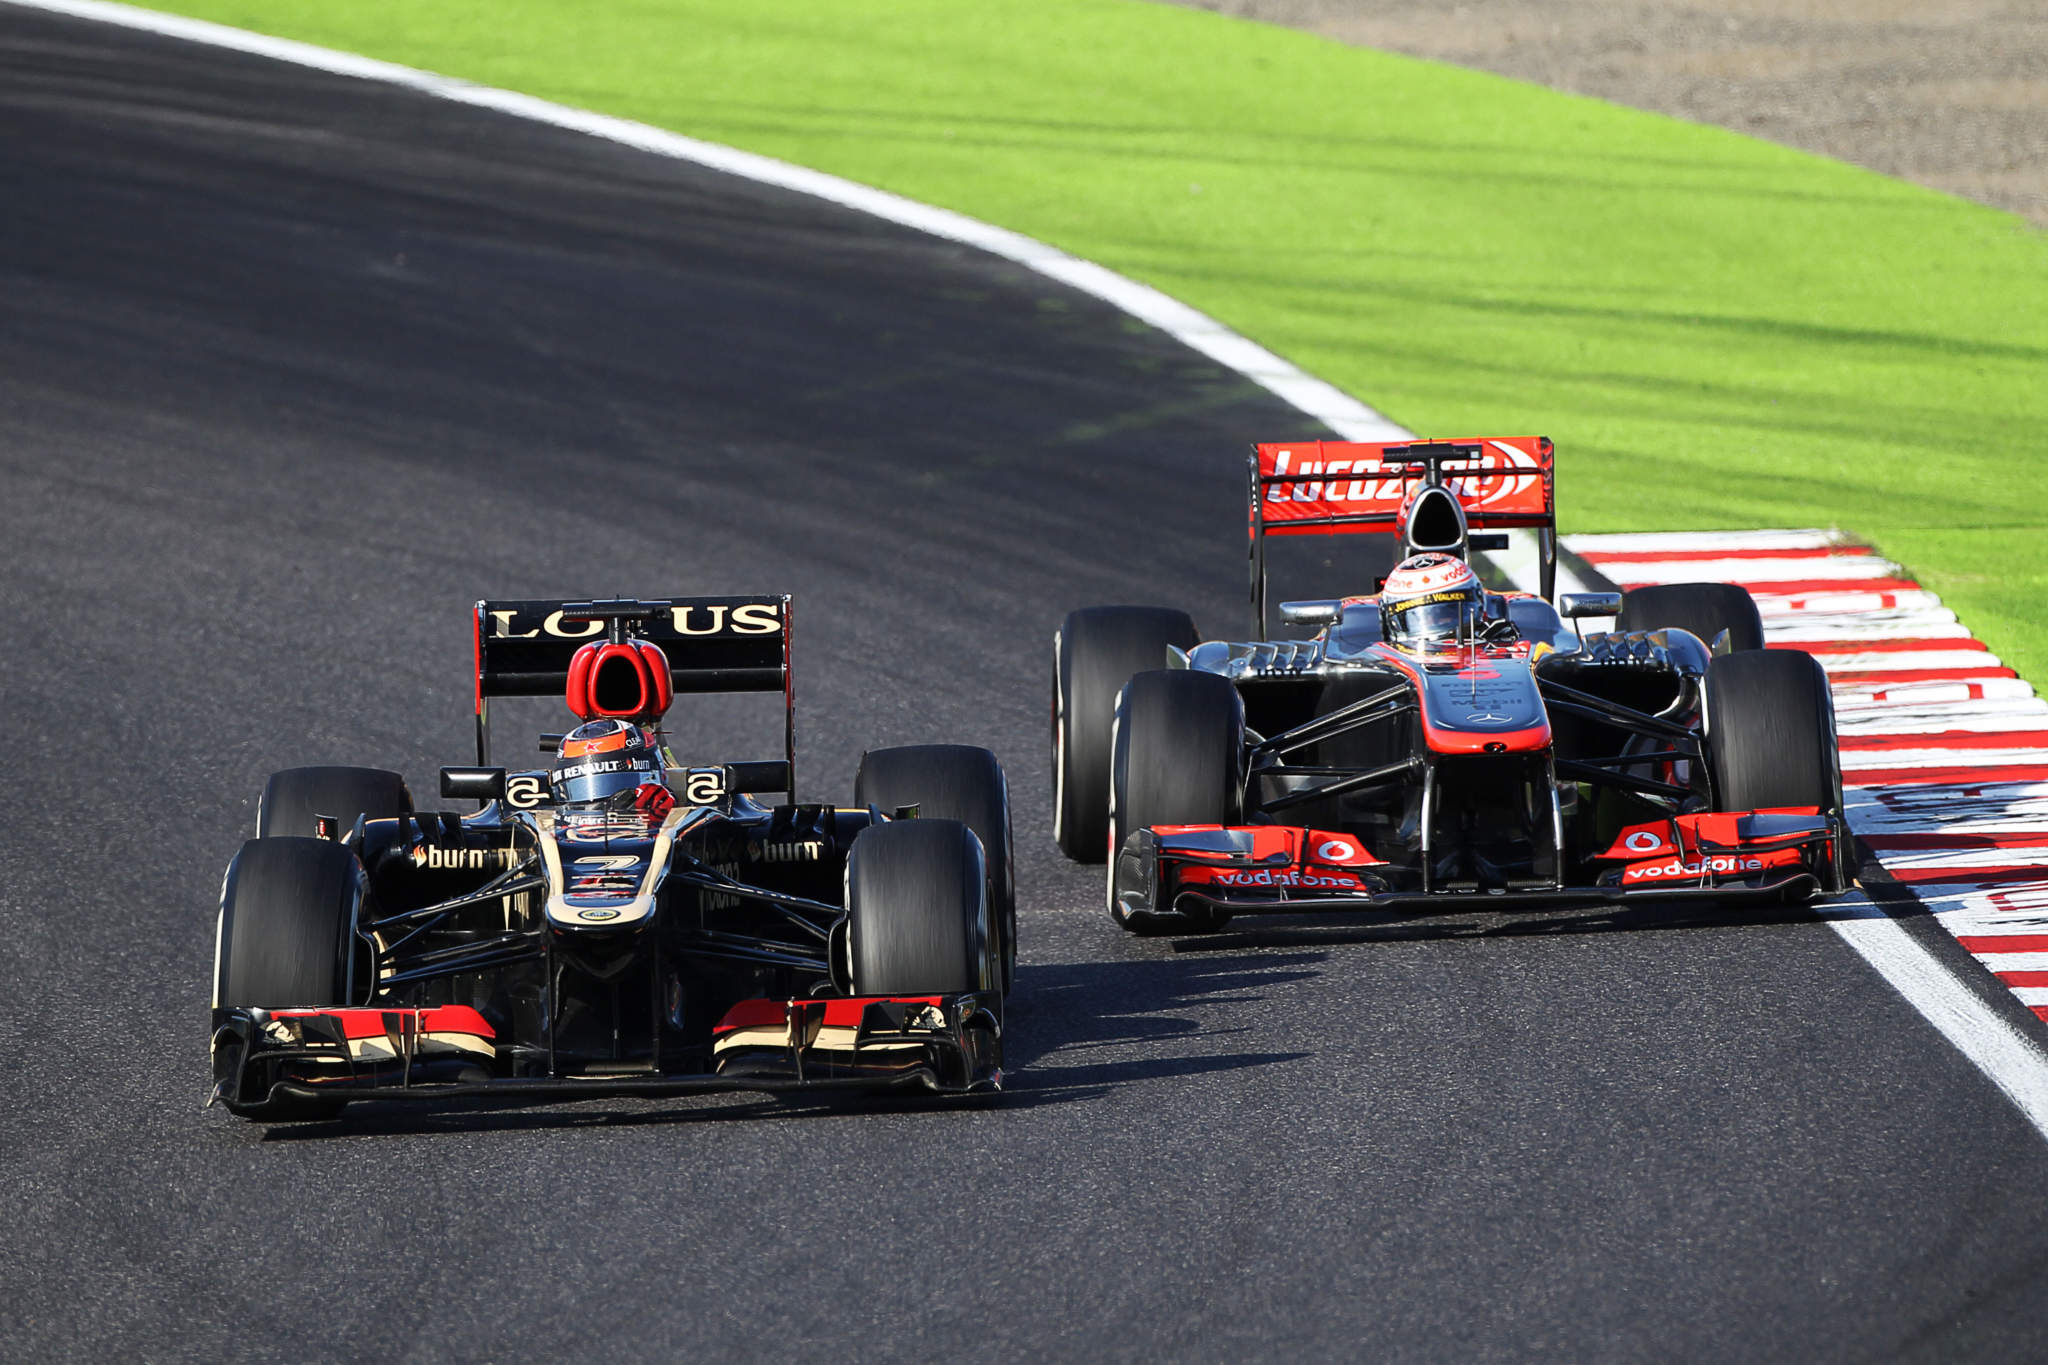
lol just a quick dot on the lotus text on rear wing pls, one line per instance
(748, 618)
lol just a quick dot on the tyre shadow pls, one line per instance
(1299, 932)
(1342, 930)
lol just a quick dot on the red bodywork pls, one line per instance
(1251, 868)
(1475, 680)
(1285, 856)
(594, 685)
(399, 1023)
(1707, 847)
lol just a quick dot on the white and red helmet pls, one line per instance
(1431, 597)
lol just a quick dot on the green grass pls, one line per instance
(1718, 332)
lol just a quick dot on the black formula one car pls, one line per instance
(614, 924)
(1434, 746)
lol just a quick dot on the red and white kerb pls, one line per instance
(1944, 748)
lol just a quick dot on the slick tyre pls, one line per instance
(917, 910)
(1177, 758)
(1770, 728)
(1094, 654)
(287, 910)
(954, 782)
(1705, 609)
(292, 798)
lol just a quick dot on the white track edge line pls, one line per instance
(2008, 1058)
(2001, 1052)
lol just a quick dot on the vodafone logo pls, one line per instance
(1642, 841)
(1335, 851)
(1718, 866)
(1267, 877)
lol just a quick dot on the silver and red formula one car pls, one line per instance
(1433, 746)
(616, 923)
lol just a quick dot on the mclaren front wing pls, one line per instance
(1180, 877)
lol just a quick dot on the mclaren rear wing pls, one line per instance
(713, 644)
(1345, 487)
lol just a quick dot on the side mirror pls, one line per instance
(765, 775)
(1574, 605)
(1317, 613)
(473, 784)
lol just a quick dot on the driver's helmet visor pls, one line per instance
(600, 777)
(1435, 616)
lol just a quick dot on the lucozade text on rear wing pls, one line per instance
(1431, 495)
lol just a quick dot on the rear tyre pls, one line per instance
(287, 910)
(917, 910)
(1705, 609)
(1177, 758)
(1770, 723)
(1094, 654)
(292, 798)
(954, 782)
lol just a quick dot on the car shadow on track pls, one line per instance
(1105, 1022)
(1341, 930)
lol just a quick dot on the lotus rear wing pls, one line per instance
(713, 644)
(1430, 494)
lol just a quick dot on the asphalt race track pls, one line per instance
(294, 368)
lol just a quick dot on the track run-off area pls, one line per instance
(298, 366)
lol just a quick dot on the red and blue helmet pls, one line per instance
(600, 759)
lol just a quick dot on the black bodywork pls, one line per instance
(523, 949)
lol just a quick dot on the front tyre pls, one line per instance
(1770, 723)
(1705, 609)
(293, 798)
(1095, 652)
(954, 782)
(285, 935)
(917, 911)
(1178, 758)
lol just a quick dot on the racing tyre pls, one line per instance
(293, 797)
(1705, 609)
(1094, 653)
(954, 782)
(287, 907)
(917, 910)
(1770, 723)
(1177, 758)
